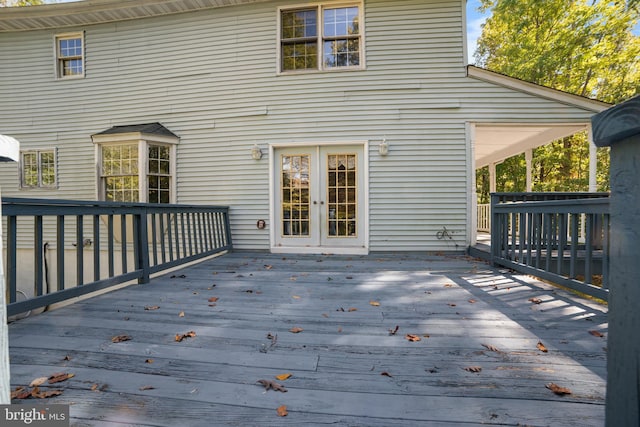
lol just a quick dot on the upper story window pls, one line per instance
(70, 55)
(38, 169)
(321, 37)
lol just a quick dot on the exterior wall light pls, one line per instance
(256, 153)
(383, 148)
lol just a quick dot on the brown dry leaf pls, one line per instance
(147, 387)
(213, 299)
(412, 338)
(20, 393)
(535, 300)
(148, 361)
(296, 297)
(268, 267)
(94, 387)
(473, 368)
(296, 330)
(541, 347)
(272, 384)
(38, 381)
(283, 377)
(472, 301)
(375, 303)
(181, 314)
(558, 389)
(386, 374)
(325, 315)
(59, 377)
(151, 307)
(394, 330)
(190, 334)
(282, 411)
(596, 334)
(426, 336)
(491, 348)
(121, 338)
(448, 285)
(352, 309)
(44, 394)
(67, 358)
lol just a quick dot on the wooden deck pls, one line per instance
(347, 369)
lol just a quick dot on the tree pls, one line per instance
(583, 47)
(12, 3)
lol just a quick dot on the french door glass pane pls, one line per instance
(295, 195)
(341, 195)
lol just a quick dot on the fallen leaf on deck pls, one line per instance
(473, 368)
(147, 387)
(535, 300)
(20, 393)
(386, 374)
(282, 411)
(412, 338)
(283, 377)
(596, 334)
(325, 315)
(296, 330)
(472, 301)
(375, 303)
(340, 309)
(448, 285)
(293, 278)
(557, 389)
(148, 361)
(426, 336)
(190, 334)
(295, 297)
(151, 307)
(120, 338)
(541, 347)
(340, 329)
(268, 267)
(67, 358)
(272, 384)
(44, 394)
(181, 314)
(94, 387)
(491, 348)
(352, 309)
(394, 330)
(38, 381)
(451, 304)
(59, 377)
(213, 299)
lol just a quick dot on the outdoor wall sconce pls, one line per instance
(256, 153)
(383, 148)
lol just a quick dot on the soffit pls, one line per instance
(89, 12)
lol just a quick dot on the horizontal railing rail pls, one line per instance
(540, 234)
(103, 243)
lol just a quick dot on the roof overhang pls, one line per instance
(89, 12)
(9, 149)
(495, 142)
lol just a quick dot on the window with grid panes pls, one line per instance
(321, 38)
(70, 55)
(38, 169)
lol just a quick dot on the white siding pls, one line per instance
(210, 77)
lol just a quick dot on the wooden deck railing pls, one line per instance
(102, 243)
(539, 234)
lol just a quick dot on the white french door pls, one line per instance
(319, 199)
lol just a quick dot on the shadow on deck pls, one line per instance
(347, 367)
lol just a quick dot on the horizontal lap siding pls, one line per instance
(210, 77)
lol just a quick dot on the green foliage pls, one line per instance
(582, 47)
(15, 3)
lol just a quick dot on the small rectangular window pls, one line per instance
(321, 38)
(38, 169)
(70, 55)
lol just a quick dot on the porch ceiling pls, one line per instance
(495, 142)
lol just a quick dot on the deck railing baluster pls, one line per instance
(60, 252)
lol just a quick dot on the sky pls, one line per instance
(474, 27)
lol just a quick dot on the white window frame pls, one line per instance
(38, 153)
(320, 37)
(143, 142)
(59, 59)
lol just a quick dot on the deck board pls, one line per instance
(347, 368)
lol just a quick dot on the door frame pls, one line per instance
(273, 187)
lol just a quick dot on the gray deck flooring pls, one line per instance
(347, 369)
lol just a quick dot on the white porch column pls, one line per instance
(492, 177)
(528, 156)
(593, 161)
